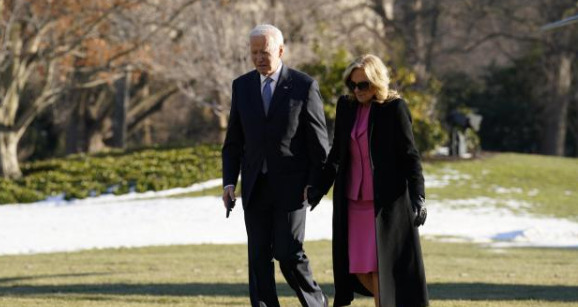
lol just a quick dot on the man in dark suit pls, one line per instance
(277, 140)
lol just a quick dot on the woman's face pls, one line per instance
(360, 86)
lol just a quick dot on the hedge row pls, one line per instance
(80, 176)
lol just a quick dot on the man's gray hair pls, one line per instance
(270, 31)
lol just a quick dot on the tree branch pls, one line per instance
(149, 105)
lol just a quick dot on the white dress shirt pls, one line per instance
(275, 77)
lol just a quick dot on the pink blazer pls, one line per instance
(360, 185)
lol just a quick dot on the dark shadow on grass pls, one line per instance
(496, 292)
(438, 291)
(34, 277)
(169, 289)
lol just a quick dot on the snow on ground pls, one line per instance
(147, 219)
(448, 175)
(479, 220)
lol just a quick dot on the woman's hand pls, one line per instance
(419, 211)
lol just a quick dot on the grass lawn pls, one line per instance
(216, 275)
(548, 184)
(458, 274)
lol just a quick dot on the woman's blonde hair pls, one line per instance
(377, 74)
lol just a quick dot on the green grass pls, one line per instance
(216, 275)
(548, 184)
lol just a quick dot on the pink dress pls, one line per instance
(361, 234)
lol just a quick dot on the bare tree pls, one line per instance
(559, 61)
(89, 113)
(512, 28)
(109, 77)
(210, 45)
(56, 46)
(405, 32)
(37, 38)
(207, 52)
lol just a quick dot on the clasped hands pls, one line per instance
(312, 195)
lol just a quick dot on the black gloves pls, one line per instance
(419, 210)
(314, 196)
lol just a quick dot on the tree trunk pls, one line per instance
(9, 167)
(223, 118)
(94, 140)
(73, 131)
(419, 46)
(121, 99)
(576, 143)
(222, 115)
(573, 120)
(556, 111)
(147, 138)
(388, 6)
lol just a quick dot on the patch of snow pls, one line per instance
(147, 219)
(485, 223)
(448, 176)
(502, 190)
(60, 200)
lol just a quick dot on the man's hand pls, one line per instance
(229, 191)
(419, 210)
(313, 196)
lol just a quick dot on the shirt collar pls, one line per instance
(275, 75)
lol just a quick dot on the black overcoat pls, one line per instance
(397, 178)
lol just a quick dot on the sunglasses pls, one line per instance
(362, 86)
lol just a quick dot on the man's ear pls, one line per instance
(281, 50)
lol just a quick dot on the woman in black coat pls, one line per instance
(397, 202)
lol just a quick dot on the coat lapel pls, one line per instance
(351, 115)
(282, 89)
(349, 121)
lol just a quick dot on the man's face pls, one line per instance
(265, 60)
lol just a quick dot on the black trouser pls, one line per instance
(276, 233)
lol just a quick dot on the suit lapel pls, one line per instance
(282, 88)
(256, 100)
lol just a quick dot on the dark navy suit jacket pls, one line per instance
(292, 137)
